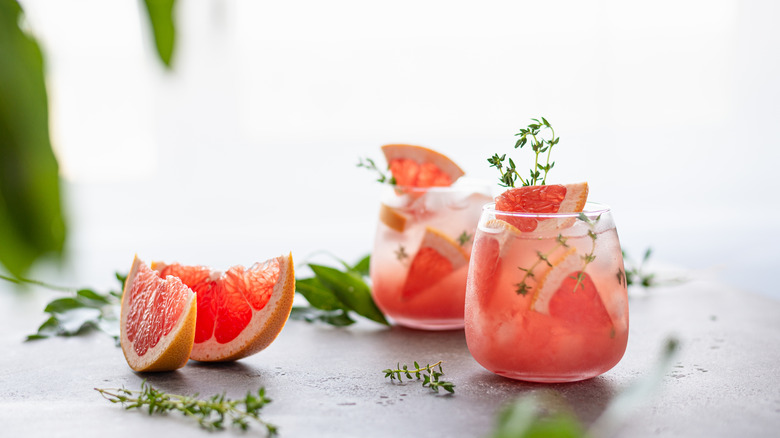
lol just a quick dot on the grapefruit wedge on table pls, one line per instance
(437, 257)
(240, 311)
(557, 198)
(418, 166)
(157, 320)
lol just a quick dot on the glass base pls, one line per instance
(540, 378)
(430, 324)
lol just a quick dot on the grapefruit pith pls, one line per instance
(157, 322)
(240, 311)
(555, 198)
(437, 257)
(417, 166)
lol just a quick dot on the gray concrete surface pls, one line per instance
(328, 382)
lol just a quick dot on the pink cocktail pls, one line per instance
(421, 253)
(547, 305)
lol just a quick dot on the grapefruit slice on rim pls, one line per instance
(437, 257)
(240, 311)
(157, 322)
(556, 198)
(418, 166)
(559, 295)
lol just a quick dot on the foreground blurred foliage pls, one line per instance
(31, 218)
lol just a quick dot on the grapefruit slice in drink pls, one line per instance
(554, 198)
(157, 322)
(418, 166)
(565, 292)
(437, 257)
(240, 311)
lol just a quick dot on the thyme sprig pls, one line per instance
(429, 374)
(214, 413)
(370, 164)
(522, 288)
(540, 145)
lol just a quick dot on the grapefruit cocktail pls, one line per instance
(546, 296)
(427, 220)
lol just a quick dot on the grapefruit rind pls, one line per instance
(173, 350)
(563, 266)
(263, 328)
(422, 155)
(574, 202)
(392, 218)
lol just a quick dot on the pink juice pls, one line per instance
(421, 251)
(548, 305)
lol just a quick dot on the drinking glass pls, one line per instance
(421, 250)
(547, 305)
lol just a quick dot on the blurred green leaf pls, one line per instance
(537, 416)
(317, 294)
(31, 221)
(350, 290)
(361, 267)
(336, 318)
(161, 18)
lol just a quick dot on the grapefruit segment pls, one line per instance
(559, 295)
(417, 166)
(437, 257)
(556, 198)
(240, 311)
(157, 322)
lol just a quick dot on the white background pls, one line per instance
(247, 149)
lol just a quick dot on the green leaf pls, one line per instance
(92, 298)
(31, 220)
(362, 266)
(61, 305)
(317, 294)
(527, 418)
(336, 318)
(161, 18)
(351, 290)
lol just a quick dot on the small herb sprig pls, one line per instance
(370, 164)
(214, 413)
(540, 145)
(430, 376)
(522, 288)
(81, 311)
(334, 293)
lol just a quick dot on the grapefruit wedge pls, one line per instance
(418, 166)
(240, 311)
(437, 257)
(157, 322)
(556, 198)
(559, 295)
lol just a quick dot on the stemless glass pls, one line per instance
(547, 305)
(421, 251)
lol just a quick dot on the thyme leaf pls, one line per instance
(430, 374)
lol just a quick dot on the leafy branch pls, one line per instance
(212, 414)
(431, 377)
(81, 312)
(540, 145)
(369, 164)
(334, 293)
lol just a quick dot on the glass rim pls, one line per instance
(590, 209)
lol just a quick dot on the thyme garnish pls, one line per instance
(369, 164)
(522, 288)
(214, 413)
(431, 377)
(464, 238)
(401, 254)
(540, 145)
